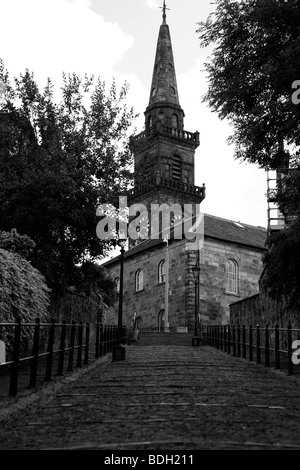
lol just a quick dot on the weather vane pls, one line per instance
(164, 8)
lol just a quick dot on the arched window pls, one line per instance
(139, 280)
(161, 116)
(117, 284)
(162, 272)
(150, 122)
(174, 121)
(232, 277)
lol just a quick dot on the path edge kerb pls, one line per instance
(11, 406)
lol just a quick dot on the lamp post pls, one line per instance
(119, 349)
(196, 273)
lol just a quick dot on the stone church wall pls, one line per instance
(151, 300)
(214, 300)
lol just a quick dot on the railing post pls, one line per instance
(267, 356)
(239, 340)
(277, 360)
(110, 338)
(221, 337)
(50, 352)
(97, 340)
(233, 341)
(72, 345)
(61, 356)
(289, 350)
(229, 341)
(225, 337)
(115, 334)
(87, 344)
(35, 353)
(101, 341)
(13, 390)
(257, 344)
(244, 342)
(250, 344)
(80, 338)
(104, 338)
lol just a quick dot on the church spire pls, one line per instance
(164, 84)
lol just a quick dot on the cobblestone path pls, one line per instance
(164, 398)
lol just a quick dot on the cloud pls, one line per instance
(52, 36)
(153, 4)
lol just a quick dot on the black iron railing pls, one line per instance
(275, 346)
(64, 346)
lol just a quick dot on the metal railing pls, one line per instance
(64, 341)
(271, 346)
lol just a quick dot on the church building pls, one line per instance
(159, 286)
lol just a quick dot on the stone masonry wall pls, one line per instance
(261, 309)
(214, 300)
(148, 302)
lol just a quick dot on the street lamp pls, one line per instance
(196, 273)
(119, 349)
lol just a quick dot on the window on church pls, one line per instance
(117, 284)
(232, 277)
(174, 121)
(176, 168)
(162, 272)
(139, 280)
(166, 170)
(186, 177)
(150, 122)
(161, 117)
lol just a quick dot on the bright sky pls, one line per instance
(117, 38)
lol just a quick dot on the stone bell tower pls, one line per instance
(164, 152)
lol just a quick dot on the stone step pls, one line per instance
(164, 338)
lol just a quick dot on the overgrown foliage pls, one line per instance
(12, 241)
(23, 293)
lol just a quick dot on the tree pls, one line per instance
(12, 241)
(255, 61)
(58, 162)
(252, 75)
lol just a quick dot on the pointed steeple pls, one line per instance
(164, 83)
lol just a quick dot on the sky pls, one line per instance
(117, 39)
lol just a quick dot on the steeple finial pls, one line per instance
(164, 8)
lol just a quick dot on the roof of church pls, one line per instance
(235, 232)
(216, 228)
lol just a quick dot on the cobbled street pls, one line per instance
(163, 398)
